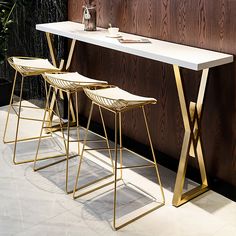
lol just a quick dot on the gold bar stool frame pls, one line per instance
(25, 66)
(117, 101)
(70, 83)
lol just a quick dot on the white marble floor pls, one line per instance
(34, 203)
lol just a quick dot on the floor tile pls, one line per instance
(34, 203)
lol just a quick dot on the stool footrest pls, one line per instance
(25, 118)
(96, 188)
(54, 163)
(39, 159)
(127, 219)
(81, 140)
(26, 139)
(100, 149)
(24, 106)
(136, 167)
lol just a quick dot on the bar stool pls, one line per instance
(72, 83)
(118, 101)
(25, 66)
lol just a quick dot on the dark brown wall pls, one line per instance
(207, 24)
(24, 40)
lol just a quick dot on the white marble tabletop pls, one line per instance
(171, 53)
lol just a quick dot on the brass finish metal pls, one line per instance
(106, 138)
(52, 54)
(26, 139)
(115, 182)
(77, 121)
(70, 105)
(81, 157)
(51, 48)
(135, 167)
(121, 153)
(9, 107)
(153, 164)
(72, 47)
(82, 152)
(24, 72)
(66, 140)
(192, 141)
(18, 121)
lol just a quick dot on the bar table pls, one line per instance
(180, 56)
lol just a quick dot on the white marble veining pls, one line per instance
(34, 203)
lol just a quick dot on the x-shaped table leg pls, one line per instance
(52, 53)
(192, 141)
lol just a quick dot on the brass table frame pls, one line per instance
(192, 141)
(191, 115)
(68, 63)
(191, 119)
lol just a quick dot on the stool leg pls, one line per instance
(18, 122)
(59, 115)
(41, 131)
(121, 150)
(82, 152)
(70, 105)
(77, 120)
(68, 142)
(107, 141)
(46, 93)
(46, 90)
(9, 108)
(115, 182)
(153, 154)
(47, 108)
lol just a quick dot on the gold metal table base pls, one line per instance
(53, 57)
(192, 141)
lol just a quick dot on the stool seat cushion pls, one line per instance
(116, 98)
(28, 66)
(34, 63)
(71, 81)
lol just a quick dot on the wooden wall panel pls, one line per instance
(201, 23)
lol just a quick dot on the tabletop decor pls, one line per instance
(90, 16)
